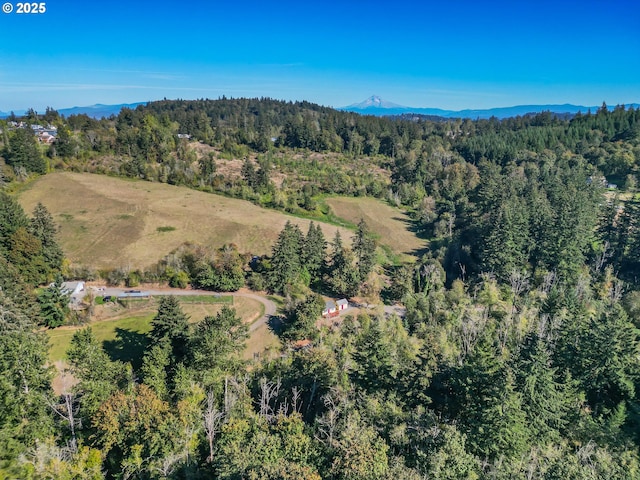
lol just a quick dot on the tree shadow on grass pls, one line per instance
(276, 325)
(128, 346)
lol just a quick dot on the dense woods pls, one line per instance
(517, 357)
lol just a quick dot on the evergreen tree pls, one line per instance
(549, 403)
(64, 146)
(507, 245)
(98, 376)
(171, 325)
(23, 151)
(216, 346)
(207, 169)
(156, 369)
(285, 259)
(26, 255)
(601, 352)
(302, 320)
(12, 217)
(364, 247)
(25, 383)
(314, 252)
(262, 182)
(54, 304)
(342, 275)
(490, 408)
(44, 229)
(249, 173)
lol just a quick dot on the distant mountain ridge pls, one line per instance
(95, 111)
(375, 105)
(98, 110)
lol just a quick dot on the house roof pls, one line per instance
(342, 301)
(71, 286)
(329, 304)
(300, 344)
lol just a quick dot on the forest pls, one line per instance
(518, 355)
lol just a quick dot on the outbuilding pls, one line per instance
(342, 304)
(72, 288)
(329, 308)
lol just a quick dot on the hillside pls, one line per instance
(392, 226)
(111, 222)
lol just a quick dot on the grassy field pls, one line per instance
(124, 335)
(108, 222)
(391, 225)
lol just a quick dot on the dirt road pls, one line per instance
(269, 306)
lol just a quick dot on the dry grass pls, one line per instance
(108, 222)
(261, 341)
(389, 223)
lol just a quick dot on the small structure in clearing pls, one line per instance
(72, 288)
(332, 309)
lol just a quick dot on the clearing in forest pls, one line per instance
(108, 222)
(392, 226)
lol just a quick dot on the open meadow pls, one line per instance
(108, 222)
(392, 226)
(123, 331)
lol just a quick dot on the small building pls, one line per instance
(72, 288)
(75, 290)
(342, 304)
(330, 308)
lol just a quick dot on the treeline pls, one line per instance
(316, 150)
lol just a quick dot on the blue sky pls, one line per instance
(443, 54)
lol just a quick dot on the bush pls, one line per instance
(114, 277)
(256, 282)
(179, 279)
(133, 279)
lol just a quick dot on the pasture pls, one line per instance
(108, 222)
(392, 226)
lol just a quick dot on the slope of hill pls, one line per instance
(108, 222)
(392, 226)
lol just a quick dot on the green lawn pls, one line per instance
(123, 339)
